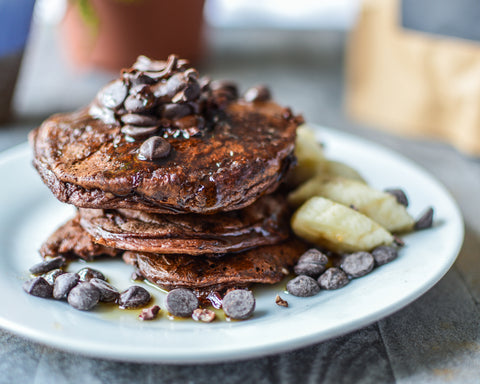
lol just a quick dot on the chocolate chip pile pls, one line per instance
(83, 290)
(154, 101)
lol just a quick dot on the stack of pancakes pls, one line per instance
(177, 173)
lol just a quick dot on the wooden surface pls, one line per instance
(436, 339)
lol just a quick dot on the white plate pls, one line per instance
(29, 213)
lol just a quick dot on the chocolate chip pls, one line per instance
(64, 284)
(139, 120)
(280, 302)
(52, 275)
(140, 99)
(333, 278)
(399, 195)
(229, 88)
(135, 78)
(173, 85)
(258, 93)
(357, 264)
(47, 265)
(144, 63)
(154, 148)
(303, 286)
(189, 93)
(138, 132)
(134, 297)
(39, 287)
(312, 263)
(190, 121)
(88, 273)
(384, 254)
(84, 296)
(181, 302)
(425, 221)
(204, 315)
(108, 292)
(149, 313)
(113, 94)
(175, 111)
(239, 304)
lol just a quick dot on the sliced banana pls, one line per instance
(337, 227)
(380, 206)
(311, 160)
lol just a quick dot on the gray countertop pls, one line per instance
(435, 339)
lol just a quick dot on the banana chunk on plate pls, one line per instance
(337, 227)
(380, 206)
(311, 160)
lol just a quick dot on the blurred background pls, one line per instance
(367, 67)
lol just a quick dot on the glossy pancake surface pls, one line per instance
(264, 222)
(243, 155)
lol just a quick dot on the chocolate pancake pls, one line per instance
(268, 264)
(72, 241)
(264, 222)
(222, 155)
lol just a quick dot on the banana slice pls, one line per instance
(380, 206)
(311, 160)
(337, 227)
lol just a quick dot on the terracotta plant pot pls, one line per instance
(127, 29)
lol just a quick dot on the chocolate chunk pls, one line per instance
(84, 296)
(47, 265)
(144, 63)
(113, 94)
(399, 195)
(139, 132)
(204, 315)
(108, 292)
(175, 110)
(239, 304)
(191, 74)
(312, 263)
(134, 297)
(86, 274)
(258, 93)
(64, 284)
(154, 148)
(181, 302)
(139, 120)
(280, 302)
(357, 264)
(333, 278)
(52, 275)
(384, 254)
(425, 221)
(39, 287)
(215, 299)
(140, 99)
(149, 313)
(137, 276)
(303, 286)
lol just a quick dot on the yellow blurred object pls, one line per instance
(413, 83)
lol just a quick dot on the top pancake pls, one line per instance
(237, 153)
